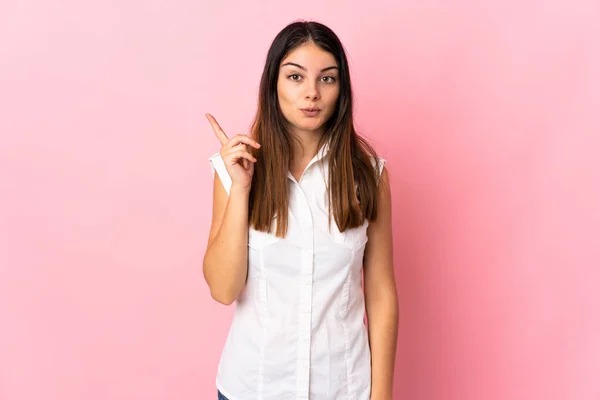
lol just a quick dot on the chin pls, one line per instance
(310, 127)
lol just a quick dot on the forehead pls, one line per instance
(310, 56)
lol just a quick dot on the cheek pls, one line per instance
(332, 99)
(287, 100)
(284, 95)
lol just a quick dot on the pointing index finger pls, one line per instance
(221, 135)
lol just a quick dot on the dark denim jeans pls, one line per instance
(220, 396)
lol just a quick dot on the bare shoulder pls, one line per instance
(385, 178)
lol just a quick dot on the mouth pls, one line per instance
(311, 112)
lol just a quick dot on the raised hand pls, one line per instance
(238, 160)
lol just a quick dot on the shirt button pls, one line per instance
(306, 281)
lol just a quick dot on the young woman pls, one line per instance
(301, 209)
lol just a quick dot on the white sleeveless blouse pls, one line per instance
(298, 330)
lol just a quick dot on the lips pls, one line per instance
(311, 112)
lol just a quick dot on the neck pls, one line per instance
(304, 148)
(305, 145)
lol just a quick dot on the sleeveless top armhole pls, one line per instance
(378, 164)
(218, 165)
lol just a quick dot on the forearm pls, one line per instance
(382, 314)
(226, 258)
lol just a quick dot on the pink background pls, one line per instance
(488, 115)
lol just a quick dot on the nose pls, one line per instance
(312, 92)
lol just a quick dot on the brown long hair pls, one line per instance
(350, 155)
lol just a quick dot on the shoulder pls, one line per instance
(378, 163)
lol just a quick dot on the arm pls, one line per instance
(380, 296)
(225, 265)
(226, 258)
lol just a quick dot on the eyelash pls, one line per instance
(332, 78)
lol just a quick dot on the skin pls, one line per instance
(308, 77)
(381, 299)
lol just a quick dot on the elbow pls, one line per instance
(219, 294)
(222, 298)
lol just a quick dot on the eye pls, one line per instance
(294, 77)
(329, 79)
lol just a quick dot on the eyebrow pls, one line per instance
(303, 68)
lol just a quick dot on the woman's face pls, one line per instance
(308, 88)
